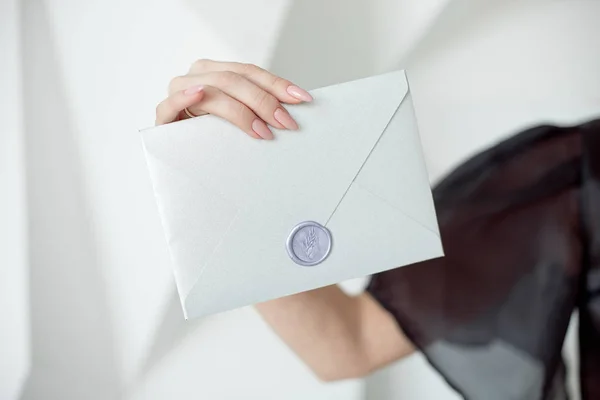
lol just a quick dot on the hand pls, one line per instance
(243, 94)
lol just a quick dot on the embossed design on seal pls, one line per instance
(309, 243)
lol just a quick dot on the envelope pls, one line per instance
(251, 220)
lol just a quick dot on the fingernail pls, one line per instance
(261, 129)
(298, 93)
(285, 119)
(194, 90)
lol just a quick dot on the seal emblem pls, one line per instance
(309, 243)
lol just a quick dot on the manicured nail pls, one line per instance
(298, 93)
(285, 119)
(261, 129)
(194, 90)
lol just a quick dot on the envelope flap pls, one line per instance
(398, 153)
(192, 228)
(339, 130)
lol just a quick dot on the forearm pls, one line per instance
(336, 335)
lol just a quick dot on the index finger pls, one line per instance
(284, 90)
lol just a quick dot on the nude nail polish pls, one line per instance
(194, 90)
(262, 129)
(299, 93)
(285, 119)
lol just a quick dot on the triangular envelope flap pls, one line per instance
(274, 185)
(338, 130)
(396, 170)
(192, 228)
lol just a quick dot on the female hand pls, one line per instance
(243, 94)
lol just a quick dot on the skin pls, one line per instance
(338, 336)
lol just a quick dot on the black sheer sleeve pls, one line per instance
(520, 224)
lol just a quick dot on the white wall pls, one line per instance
(14, 322)
(105, 323)
(105, 319)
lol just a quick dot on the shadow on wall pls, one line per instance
(235, 24)
(171, 332)
(72, 346)
(453, 23)
(323, 43)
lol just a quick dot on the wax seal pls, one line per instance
(309, 243)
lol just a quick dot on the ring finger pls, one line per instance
(219, 103)
(261, 102)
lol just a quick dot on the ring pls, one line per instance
(188, 113)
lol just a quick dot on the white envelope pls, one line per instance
(228, 203)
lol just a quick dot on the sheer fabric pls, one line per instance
(520, 224)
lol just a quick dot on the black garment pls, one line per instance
(520, 224)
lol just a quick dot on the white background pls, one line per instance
(14, 313)
(86, 263)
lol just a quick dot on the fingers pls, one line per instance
(261, 102)
(244, 94)
(284, 90)
(170, 109)
(219, 103)
(206, 99)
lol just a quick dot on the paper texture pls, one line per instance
(228, 203)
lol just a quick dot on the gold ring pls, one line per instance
(188, 113)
